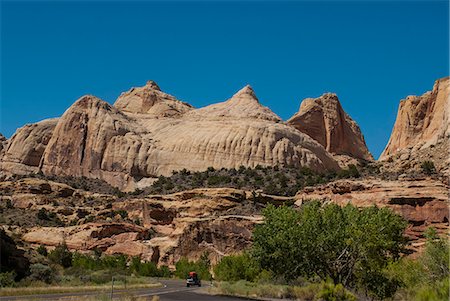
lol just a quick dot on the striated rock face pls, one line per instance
(24, 151)
(325, 121)
(423, 203)
(81, 137)
(422, 122)
(150, 100)
(148, 133)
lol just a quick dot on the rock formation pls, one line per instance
(422, 121)
(148, 133)
(324, 120)
(217, 220)
(150, 100)
(23, 152)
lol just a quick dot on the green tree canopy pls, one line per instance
(347, 244)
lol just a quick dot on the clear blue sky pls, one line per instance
(372, 54)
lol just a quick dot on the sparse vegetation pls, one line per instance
(270, 180)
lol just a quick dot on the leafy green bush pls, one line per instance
(348, 245)
(236, 267)
(7, 279)
(148, 269)
(61, 255)
(426, 278)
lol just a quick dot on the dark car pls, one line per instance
(193, 279)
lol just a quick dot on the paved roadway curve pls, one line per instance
(172, 290)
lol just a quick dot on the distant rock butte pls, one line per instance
(324, 120)
(148, 133)
(422, 121)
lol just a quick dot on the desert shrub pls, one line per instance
(41, 272)
(345, 244)
(61, 255)
(43, 214)
(7, 279)
(9, 204)
(350, 172)
(123, 214)
(236, 267)
(428, 167)
(42, 250)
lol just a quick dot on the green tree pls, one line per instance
(348, 245)
(61, 255)
(236, 267)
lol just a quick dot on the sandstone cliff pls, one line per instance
(23, 152)
(148, 133)
(422, 122)
(151, 100)
(325, 121)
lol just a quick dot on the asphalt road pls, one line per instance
(172, 290)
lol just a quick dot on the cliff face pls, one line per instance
(324, 120)
(22, 154)
(422, 121)
(148, 133)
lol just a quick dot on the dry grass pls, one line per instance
(18, 291)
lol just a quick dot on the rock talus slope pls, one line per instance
(422, 121)
(324, 120)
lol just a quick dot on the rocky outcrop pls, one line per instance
(422, 202)
(148, 133)
(422, 122)
(186, 224)
(152, 101)
(81, 137)
(23, 153)
(324, 120)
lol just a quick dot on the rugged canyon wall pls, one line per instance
(421, 130)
